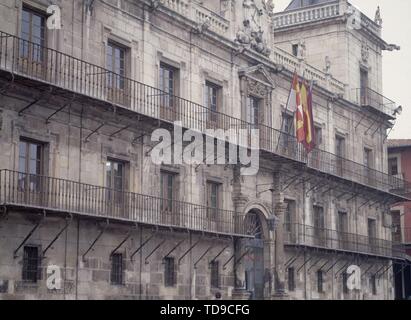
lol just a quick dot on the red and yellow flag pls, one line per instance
(309, 133)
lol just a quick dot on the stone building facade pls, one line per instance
(79, 190)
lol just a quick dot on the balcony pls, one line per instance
(23, 190)
(308, 236)
(306, 15)
(374, 101)
(53, 68)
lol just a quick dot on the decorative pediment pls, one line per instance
(258, 74)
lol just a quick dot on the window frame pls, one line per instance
(29, 40)
(320, 281)
(170, 277)
(291, 279)
(120, 84)
(117, 269)
(213, 211)
(32, 274)
(215, 274)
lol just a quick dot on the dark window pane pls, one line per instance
(169, 272)
(117, 269)
(31, 264)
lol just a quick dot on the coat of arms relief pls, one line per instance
(251, 35)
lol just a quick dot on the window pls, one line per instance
(215, 276)
(115, 180)
(320, 281)
(318, 136)
(31, 264)
(213, 199)
(288, 123)
(319, 225)
(340, 153)
(288, 129)
(33, 35)
(291, 279)
(167, 191)
(294, 49)
(253, 110)
(368, 158)
(168, 78)
(393, 166)
(116, 275)
(373, 284)
(342, 222)
(340, 146)
(115, 64)
(318, 217)
(169, 272)
(364, 86)
(344, 282)
(288, 216)
(396, 223)
(30, 165)
(115, 175)
(372, 234)
(212, 93)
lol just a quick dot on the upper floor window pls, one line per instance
(116, 64)
(168, 82)
(393, 166)
(294, 49)
(318, 136)
(253, 110)
(340, 146)
(289, 215)
(213, 199)
(115, 181)
(212, 100)
(342, 223)
(30, 165)
(372, 229)
(33, 31)
(319, 220)
(115, 175)
(288, 123)
(368, 160)
(167, 191)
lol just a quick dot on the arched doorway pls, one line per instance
(254, 261)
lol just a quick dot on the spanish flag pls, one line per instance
(308, 138)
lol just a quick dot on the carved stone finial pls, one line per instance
(269, 7)
(301, 50)
(203, 26)
(378, 19)
(327, 68)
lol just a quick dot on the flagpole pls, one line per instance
(286, 109)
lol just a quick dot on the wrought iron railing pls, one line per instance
(367, 97)
(43, 64)
(37, 191)
(298, 234)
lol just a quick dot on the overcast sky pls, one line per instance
(396, 15)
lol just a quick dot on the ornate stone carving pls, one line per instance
(256, 88)
(251, 35)
(268, 7)
(365, 52)
(201, 27)
(378, 19)
(156, 3)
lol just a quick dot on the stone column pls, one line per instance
(240, 201)
(280, 208)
